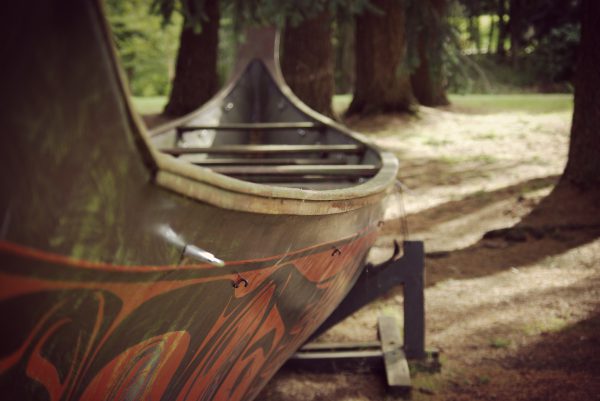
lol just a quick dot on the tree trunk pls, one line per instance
(490, 47)
(475, 32)
(344, 60)
(427, 80)
(583, 166)
(515, 25)
(381, 84)
(502, 28)
(307, 62)
(196, 79)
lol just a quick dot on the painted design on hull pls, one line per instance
(89, 331)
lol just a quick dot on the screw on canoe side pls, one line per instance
(336, 252)
(239, 280)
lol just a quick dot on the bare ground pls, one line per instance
(516, 314)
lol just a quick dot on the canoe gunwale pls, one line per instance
(231, 193)
(203, 184)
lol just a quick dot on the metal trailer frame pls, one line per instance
(393, 351)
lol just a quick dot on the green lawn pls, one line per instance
(341, 103)
(149, 105)
(527, 103)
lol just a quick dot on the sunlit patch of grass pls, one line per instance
(435, 142)
(459, 159)
(486, 159)
(426, 384)
(149, 105)
(500, 342)
(453, 160)
(340, 103)
(487, 136)
(526, 103)
(550, 324)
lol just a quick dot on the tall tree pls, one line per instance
(583, 166)
(344, 52)
(382, 84)
(428, 78)
(516, 27)
(196, 78)
(502, 29)
(146, 51)
(307, 61)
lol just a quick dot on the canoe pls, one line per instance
(186, 264)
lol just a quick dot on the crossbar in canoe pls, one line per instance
(264, 161)
(308, 125)
(265, 149)
(331, 181)
(350, 170)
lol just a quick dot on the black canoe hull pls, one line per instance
(97, 298)
(82, 330)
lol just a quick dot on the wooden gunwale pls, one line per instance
(307, 125)
(265, 149)
(202, 183)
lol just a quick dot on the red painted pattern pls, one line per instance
(122, 339)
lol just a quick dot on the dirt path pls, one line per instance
(517, 314)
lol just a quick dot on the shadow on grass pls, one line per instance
(475, 202)
(565, 219)
(562, 366)
(547, 320)
(575, 349)
(428, 173)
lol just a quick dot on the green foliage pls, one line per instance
(229, 38)
(277, 12)
(553, 58)
(191, 10)
(147, 34)
(146, 47)
(423, 19)
(546, 35)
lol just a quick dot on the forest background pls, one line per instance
(477, 46)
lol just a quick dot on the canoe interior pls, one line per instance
(255, 132)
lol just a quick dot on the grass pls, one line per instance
(341, 102)
(500, 342)
(526, 103)
(149, 105)
(550, 324)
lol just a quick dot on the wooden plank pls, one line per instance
(273, 126)
(266, 149)
(340, 346)
(347, 170)
(264, 161)
(301, 181)
(396, 365)
(338, 355)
